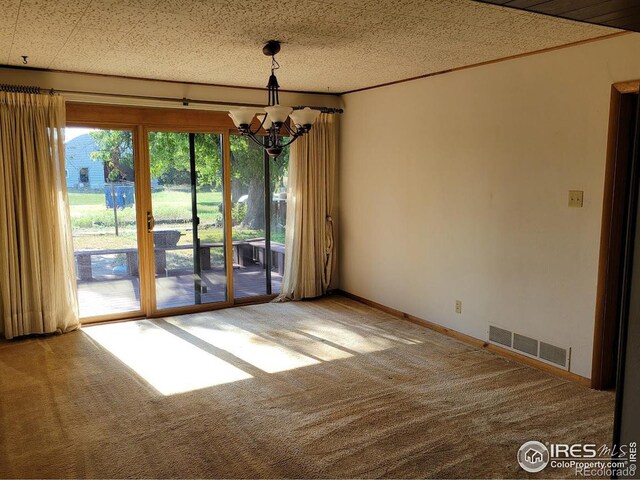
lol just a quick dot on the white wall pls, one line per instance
(456, 187)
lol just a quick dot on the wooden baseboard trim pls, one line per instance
(531, 362)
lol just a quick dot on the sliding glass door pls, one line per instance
(278, 185)
(187, 204)
(100, 175)
(166, 221)
(259, 200)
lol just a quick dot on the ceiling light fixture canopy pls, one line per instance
(278, 121)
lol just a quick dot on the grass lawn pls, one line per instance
(88, 210)
(89, 198)
(93, 224)
(104, 241)
(127, 238)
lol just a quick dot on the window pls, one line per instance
(84, 176)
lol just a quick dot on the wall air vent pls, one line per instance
(553, 354)
(525, 344)
(530, 347)
(500, 335)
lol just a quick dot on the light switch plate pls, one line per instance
(576, 198)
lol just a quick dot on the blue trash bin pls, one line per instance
(129, 195)
(108, 199)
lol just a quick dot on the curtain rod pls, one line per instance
(20, 89)
(184, 101)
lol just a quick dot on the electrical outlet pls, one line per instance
(458, 306)
(575, 198)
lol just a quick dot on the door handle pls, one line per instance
(151, 222)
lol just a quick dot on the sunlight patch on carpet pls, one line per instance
(257, 350)
(167, 362)
(357, 340)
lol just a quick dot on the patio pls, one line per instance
(117, 294)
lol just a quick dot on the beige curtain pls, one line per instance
(309, 249)
(37, 278)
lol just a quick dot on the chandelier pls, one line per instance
(274, 132)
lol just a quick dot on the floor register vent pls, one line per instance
(531, 347)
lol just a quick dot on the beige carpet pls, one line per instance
(329, 388)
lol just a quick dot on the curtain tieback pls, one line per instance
(329, 235)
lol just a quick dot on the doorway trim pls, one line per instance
(603, 371)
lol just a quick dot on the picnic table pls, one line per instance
(277, 254)
(246, 252)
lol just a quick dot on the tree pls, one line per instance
(247, 170)
(168, 156)
(169, 159)
(115, 151)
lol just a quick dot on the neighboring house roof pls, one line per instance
(78, 155)
(78, 151)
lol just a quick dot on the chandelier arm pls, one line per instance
(253, 137)
(288, 129)
(264, 119)
(293, 139)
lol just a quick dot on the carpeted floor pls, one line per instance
(328, 388)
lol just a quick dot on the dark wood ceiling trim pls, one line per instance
(587, 13)
(489, 62)
(568, 7)
(627, 12)
(524, 3)
(607, 13)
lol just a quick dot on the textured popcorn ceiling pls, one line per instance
(328, 45)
